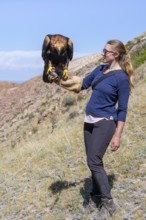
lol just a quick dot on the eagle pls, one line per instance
(57, 51)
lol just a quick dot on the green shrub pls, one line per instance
(139, 58)
(73, 114)
(69, 100)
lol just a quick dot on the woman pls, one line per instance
(104, 121)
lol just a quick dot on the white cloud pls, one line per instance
(15, 60)
(23, 65)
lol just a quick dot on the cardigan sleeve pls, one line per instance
(123, 97)
(87, 81)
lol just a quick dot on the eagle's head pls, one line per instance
(59, 48)
(58, 45)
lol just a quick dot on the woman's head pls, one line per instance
(116, 50)
(118, 46)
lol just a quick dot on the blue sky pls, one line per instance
(89, 24)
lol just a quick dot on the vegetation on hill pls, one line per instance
(139, 58)
(137, 48)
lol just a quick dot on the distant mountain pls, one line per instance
(7, 85)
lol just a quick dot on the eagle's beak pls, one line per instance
(59, 50)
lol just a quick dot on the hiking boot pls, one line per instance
(89, 206)
(109, 205)
(93, 203)
(103, 213)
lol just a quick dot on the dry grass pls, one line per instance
(46, 176)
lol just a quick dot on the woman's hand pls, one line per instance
(115, 143)
(73, 83)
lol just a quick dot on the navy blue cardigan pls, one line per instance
(110, 97)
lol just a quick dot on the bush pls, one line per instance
(69, 100)
(73, 114)
(139, 58)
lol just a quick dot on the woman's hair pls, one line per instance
(124, 59)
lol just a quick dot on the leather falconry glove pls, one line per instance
(73, 83)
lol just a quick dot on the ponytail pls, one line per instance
(124, 59)
(126, 65)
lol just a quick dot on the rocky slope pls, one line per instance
(43, 172)
(20, 103)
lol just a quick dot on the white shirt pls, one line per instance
(90, 119)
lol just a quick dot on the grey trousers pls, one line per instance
(97, 137)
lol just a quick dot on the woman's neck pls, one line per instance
(114, 66)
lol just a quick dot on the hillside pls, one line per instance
(33, 100)
(43, 171)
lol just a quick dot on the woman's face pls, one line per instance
(109, 54)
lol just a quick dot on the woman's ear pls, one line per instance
(117, 55)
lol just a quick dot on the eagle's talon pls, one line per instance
(50, 69)
(65, 74)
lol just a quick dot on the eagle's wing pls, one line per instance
(70, 49)
(45, 46)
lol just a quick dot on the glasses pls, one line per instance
(105, 51)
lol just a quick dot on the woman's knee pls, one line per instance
(94, 163)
